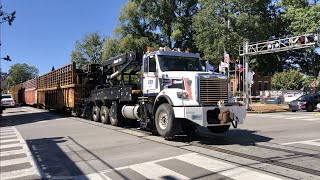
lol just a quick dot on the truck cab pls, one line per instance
(195, 94)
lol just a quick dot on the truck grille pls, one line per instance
(212, 90)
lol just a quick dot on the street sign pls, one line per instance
(226, 58)
(250, 77)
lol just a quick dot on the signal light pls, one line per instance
(302, 40)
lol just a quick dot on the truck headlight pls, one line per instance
(183, 95)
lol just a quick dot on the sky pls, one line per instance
(45, 31)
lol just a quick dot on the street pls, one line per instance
(38, 144)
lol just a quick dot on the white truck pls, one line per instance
(174, 92)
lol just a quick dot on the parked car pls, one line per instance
(318, 107)
(306, 102)
(7, 100)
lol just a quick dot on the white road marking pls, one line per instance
(11, 136)
(226, 169)
(153, 171)
(7, 153)
(301, 142)
(17, 173)
(14, 161)
(300, 118)
(311, 119)
(8, 140)
(22, 172)
(9, 146)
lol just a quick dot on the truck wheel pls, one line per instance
(165, 121)
(104, 115)
(96, 114)
(115, 121)
(219, 129)
(309, 108)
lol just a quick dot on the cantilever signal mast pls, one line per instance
(272, 46)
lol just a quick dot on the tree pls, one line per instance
(303, 17)
(287, 80)
(221, 26)
(19, 73)
(88, 50)
(153, 23)
(111, 48)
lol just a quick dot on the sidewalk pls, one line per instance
(267, 108)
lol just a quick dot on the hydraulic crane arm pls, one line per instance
(122, 62)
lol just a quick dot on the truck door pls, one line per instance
(150, 76)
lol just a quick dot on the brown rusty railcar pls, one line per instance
(61, 89)
(30, 91)
(17, 93)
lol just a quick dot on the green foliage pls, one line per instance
(307, 80)
(88, 50)
(304, 16)
(111, 48)
(156, 23)
(19, 73)
(224, 26)
(287, 80)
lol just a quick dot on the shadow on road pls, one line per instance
(65, 158)
(236, 136)
(10, 119)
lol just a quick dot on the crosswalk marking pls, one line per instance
(17, 173)
(311, 119)
(154, 171)
(7, 140)
(14, 161)
(15, 158)
(9, 146)
(308, 117)
(225, 169)
(309, 142)
(7, 153)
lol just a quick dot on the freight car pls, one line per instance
(164, 91)
(29, 92)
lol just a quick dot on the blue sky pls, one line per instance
(45, 31)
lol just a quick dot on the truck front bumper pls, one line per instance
(207, 116)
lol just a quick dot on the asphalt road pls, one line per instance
(37, 144)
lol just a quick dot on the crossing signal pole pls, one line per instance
(273, 46)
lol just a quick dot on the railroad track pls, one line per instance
(184, 141)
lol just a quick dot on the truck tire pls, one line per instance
(115, 121)
(96, 114)
(165, 121)
(309, 108)
(104, 115)
(219, 129)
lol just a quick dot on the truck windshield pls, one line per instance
(175, 63)
(6, 96)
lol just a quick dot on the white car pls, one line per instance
(7, 100)
(318, 107)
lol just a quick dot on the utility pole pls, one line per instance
(310, 40)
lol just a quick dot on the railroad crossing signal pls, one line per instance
(272, 46)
